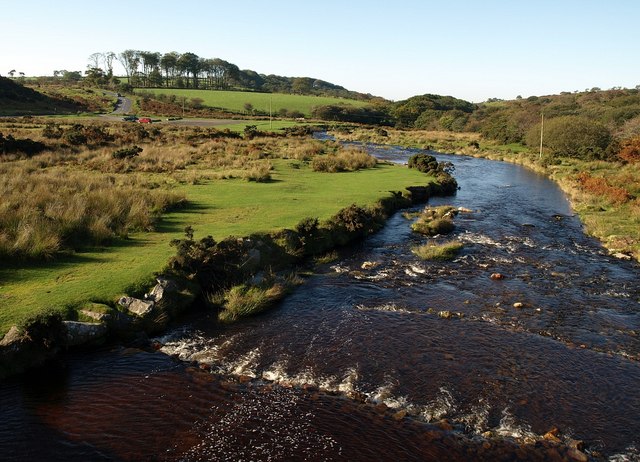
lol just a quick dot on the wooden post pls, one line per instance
(541, 133)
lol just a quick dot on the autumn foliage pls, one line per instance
(600, 187)
(630, 150)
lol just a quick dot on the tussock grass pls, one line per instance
(245, 300)
(440, 252)
(346, 160)
(47, 211)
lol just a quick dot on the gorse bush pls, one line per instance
(127, 153)
(11, 145)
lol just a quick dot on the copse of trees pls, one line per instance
(574, 136)
(187, 70)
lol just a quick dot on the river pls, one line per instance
(358, 364)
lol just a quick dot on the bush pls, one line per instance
(424, 163)
(630, 150)
(435, 220)
(10, 145)
(127, 153)
(573, 136)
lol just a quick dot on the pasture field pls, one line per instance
(235, 101)
(220, 202)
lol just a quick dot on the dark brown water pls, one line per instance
(568, 358)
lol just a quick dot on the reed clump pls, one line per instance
(440, 252)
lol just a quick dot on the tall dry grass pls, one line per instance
(46, 211)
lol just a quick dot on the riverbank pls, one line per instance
(606, 195)
(200, 268)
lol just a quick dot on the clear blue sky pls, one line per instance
(473, 50)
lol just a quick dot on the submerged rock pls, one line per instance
(497, 276)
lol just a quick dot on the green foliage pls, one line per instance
(409, 113)
(349, 113)
(573, 136)
(424, 163)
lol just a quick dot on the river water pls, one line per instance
(357, 364)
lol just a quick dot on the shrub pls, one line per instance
(445, 251)
(600, 187)
(52, 131)
(424, 163)
(10, 145)
(630, 150)
(75, 136)
(127, 153)
(435, 220)
(573, 136)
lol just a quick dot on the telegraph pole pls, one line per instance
(541, 133)
(270, 119)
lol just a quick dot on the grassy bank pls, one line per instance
(236, 101)
(606, 195)
(232, 187)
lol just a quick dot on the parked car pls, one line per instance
(144, 120)
(130, 118)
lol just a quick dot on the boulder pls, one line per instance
(497, 276)
(137, 306)
(81, 333)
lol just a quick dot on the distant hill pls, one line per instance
(16, 99)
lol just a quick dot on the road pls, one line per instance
(124, 105)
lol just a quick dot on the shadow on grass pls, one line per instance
(16, 271)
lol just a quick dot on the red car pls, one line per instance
(144, 120)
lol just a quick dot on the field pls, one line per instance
(235, 101)
(213, 176)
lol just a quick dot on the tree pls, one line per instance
(150, 63)
(302, 85)
(248, 107)
(108, 58)
(95, 60)
(11, 72)
(169, 64)
(573, 136)
(189, 63)
(71, 76)
(130, 60)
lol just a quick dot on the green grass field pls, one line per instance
(235, 101)
(218, 207)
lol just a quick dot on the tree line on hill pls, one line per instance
(594, 124)
(150, 69)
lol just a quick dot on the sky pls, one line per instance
(474, 50)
